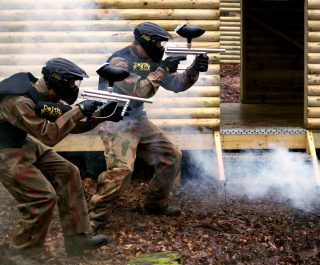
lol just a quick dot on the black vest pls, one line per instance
(17, 84)
(138, 66)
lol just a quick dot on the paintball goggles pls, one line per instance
(112, 74)
(190, 32)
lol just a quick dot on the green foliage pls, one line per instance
(161, 258)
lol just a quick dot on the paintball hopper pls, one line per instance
(189, 32)
(112, 73)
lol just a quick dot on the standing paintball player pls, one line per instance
(35, 175)
(136, 136)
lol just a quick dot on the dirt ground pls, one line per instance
(216, 227)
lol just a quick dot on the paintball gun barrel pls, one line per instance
(190, 32)
(112, 74)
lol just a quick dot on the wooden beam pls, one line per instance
(218, 152)
(311, 150)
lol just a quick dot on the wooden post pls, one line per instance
(311, 150)
(218, 151)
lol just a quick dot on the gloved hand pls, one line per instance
(88, 107)
(201, 63)
(170, 64)
(112, 111)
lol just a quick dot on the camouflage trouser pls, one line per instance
(124, 141)
(37, 177)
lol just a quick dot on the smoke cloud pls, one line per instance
(280, 175)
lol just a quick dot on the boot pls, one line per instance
(76, 245)
(17, 257)
(163, 210)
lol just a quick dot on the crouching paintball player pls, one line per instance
(37, 177)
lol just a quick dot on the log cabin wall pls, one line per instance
(312, 67)
(273, 51)
(88, 31)
(230, 30)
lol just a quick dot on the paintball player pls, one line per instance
(136, 136)
(37, 177)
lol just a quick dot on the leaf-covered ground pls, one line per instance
(216, 227)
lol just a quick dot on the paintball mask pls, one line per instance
(147, 34)
(64, 77)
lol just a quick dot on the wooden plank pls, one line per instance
(197, 141)
(218, 152)
(312, 151)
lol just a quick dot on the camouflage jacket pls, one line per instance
(145, 76)
(17, 113)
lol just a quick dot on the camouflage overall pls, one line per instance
(36, 176)
(136, 136)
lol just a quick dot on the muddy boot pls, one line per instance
(16, 257)
(163, 210)
(77, 244)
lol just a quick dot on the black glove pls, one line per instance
(112, 111)
(88, 107)
(170, 64)
(51, 111)
(201, 63)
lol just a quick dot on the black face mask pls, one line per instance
(66, 93)
(152, 50)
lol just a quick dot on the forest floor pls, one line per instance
(217, 225)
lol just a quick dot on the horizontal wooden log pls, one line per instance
(313, 47)
(102, 25)
(314, 90)
(230, 5)
(313, 25)
(186, 102)
(313, 101)
(314, 14)
(230, 38)
(313, 80)
(182, 113)
(313, 68)
(31, 4)
(313, 58)
(313, 4)
(314, 36)
(230, 10)
(313, 112)
(127, 14)
(180, 124)
(313, 123)
(230, 19)
(229, 33)
(75, 47)
(230, 29)
(40, 59)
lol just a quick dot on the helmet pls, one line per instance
(147, 34)
(58, 72)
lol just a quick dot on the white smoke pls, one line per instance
(279, 175)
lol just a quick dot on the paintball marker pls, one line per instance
(190, 32)
(112, 74)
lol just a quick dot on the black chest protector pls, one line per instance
(138, 66)
(17, 84)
